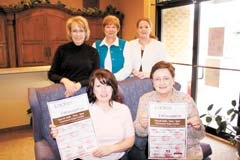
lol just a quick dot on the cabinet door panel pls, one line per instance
(40, 31)
(55, 33)
(30, 40)
(3, 56)
(31, 29)
(32, 55)
(95, 25)
(3, 51)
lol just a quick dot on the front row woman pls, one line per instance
(112, 120)
(162, 76)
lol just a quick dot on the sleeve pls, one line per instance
(54, 74)
(142, 109)
(193, 111)
(127, 67)
(128, 124)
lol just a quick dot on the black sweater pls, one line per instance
(74, 62)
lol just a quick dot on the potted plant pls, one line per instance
(223, 122)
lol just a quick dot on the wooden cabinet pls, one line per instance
(95, 25)
(30, 37)
(3, 44)
(38, 33)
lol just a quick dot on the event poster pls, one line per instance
(167, 133)
(76, 137)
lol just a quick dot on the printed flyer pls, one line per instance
(76, 137)
(167, 133)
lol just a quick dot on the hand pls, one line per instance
(144, 120)
(71, 87)
(102, 151)
(140, 75)
(195, 122)
(54, 130)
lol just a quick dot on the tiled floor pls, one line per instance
(19, 145)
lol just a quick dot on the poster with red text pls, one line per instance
(76, 137)
(167, 132)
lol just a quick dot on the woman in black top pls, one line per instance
(74, 62)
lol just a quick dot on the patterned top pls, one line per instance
(194, 151)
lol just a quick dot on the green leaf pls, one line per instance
(218, 111)
(232, 117)
(203, 115)
(210, 107)
(218, 120)
(230, 111)
(234, 103)
(208, 119)
(223, 126)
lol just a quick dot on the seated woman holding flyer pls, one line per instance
(112, 120)
(162, 75)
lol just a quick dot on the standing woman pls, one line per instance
(111, 49)
(74, 61)
(146, 50)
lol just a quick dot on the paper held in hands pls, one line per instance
(167, 133)
(76, 137)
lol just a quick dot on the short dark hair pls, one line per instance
(105, 77)
(160, 65)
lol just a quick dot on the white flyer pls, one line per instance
(76, 137)
(167, 132)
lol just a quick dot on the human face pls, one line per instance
(103, 92)
(144, 29)
(163, 81)
(110, 31)
(78, 34)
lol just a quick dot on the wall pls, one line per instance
(14, 84)
(13, 96)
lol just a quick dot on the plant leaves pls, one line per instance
(203, 115)
(233, 117)
(230, 111)
(218, 120)
(210, 107)
(208, 119)
(234, 103)
(218, 111)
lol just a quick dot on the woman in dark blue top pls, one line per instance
(74, 62)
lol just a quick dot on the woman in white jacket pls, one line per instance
(146, 50)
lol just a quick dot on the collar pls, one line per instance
(115, 43)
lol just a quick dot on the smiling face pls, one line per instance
(143, 29)
(102, 91)
(78, 34)
(110, 30)
(163, 81)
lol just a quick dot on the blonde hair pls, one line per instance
(150, 24)
(82, 22)
(111, 19)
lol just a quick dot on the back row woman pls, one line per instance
(145, 50)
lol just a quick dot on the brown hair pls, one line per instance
(105, 77)
(111, 19)
(82, 22)
(160, 65)
(150, 24)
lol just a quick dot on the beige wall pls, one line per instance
(13, 96)
(13, 88)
